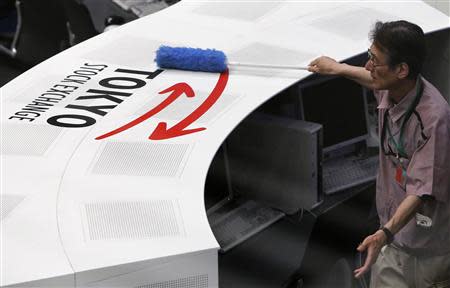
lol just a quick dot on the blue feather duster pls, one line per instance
(193, 59)
(206, 60)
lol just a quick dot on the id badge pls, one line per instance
(399, 174)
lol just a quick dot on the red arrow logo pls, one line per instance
(176, 91)
(161, 132)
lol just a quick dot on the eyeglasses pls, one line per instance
(372, 59)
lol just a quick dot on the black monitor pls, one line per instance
(339, 105)
(276, 161)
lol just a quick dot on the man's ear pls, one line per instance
(402, 70)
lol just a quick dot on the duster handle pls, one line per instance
(258, 65)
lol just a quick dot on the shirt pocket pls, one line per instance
(416, 138)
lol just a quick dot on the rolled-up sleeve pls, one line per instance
(428, 172)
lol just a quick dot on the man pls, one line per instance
(412, 247)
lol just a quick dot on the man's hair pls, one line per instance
(403, 42)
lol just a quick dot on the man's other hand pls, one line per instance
(373, 245)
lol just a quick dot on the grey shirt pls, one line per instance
(425, 171)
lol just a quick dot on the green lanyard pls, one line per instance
(399, 145)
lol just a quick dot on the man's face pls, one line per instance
(384, 78)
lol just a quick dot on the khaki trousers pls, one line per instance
(395, 268)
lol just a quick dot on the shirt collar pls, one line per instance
(385, 102)
(396, 111)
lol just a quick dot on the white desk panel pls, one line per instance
(125, 210)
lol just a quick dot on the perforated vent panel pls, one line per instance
(29, 140)
(248, 10)
(8, 203)
(118, 51)
(257, 53)
(181, 108)
(200, 281)
(353, 25)
(30, 90)
(141, 159)
(132, 220)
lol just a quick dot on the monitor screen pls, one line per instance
(339, 105)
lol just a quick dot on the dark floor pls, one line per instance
(9, 69)
(44, 30)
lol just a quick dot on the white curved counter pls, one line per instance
(127, 209)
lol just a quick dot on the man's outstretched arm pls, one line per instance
(328, 66)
